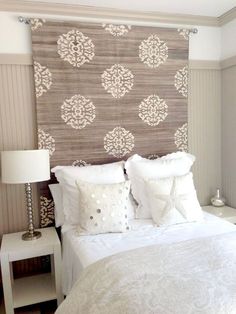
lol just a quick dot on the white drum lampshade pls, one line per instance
(26, 166)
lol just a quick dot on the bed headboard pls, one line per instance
(104, 92)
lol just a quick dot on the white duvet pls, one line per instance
(196, 276)
(81, 251)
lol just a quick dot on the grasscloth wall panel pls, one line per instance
(18, 131)
(205, 130)
(105, 92)
(228, 134)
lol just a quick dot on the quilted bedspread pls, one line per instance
(195, 276)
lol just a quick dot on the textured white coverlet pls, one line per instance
(81, 251)
(194, 276)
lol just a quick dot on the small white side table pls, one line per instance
(225, 212)
(32, 289)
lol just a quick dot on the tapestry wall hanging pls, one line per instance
(104, 92)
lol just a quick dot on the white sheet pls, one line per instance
(81, 251)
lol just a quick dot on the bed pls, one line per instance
(187, 268)
(80, 252)
(158, 254)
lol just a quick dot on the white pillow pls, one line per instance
(57, 196)
(103, 207)
(97, 174)
(139, 169)
(106, 173)
(173, 200)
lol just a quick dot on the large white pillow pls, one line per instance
(97, 174)
(103, 207)
(106, 173)
(173, 200)
(139, 169)
(57, 196)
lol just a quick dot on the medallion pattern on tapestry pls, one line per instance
(42, 79)
(116, 30)
(36, 23)
(153, 110)
(46, 141)
(153, 51)
(117, 80)
(80, 163)
(181, 138)
(75, 48)
(78, 111)
(119, 142)
(153, 156)
(181, 81)
(46, 211)
(184, 32)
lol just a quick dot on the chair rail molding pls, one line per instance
(16, 58)
(26, 59)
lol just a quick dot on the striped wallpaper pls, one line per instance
(228, 133)
(17, 131)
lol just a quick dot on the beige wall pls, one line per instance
(229, 132)
(18, 129)
(205, 130)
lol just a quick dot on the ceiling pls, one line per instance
(213, 8)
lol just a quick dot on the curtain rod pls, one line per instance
(26, 20)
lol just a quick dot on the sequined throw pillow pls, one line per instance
(103, 207)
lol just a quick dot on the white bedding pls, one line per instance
(196, 276)
(81, 251)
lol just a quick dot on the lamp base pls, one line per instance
(31, 236)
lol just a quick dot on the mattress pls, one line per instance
(82, 251)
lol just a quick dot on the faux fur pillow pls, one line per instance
(103, 207)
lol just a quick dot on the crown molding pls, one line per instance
(63, 9)
(228, 63)
(227, 17)
(105, 13)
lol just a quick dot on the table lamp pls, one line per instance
(26, 166)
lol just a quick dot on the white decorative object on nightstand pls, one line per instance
(225, 212)
(34, 289)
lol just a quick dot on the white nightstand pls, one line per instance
(33, 289)
(225, 212)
